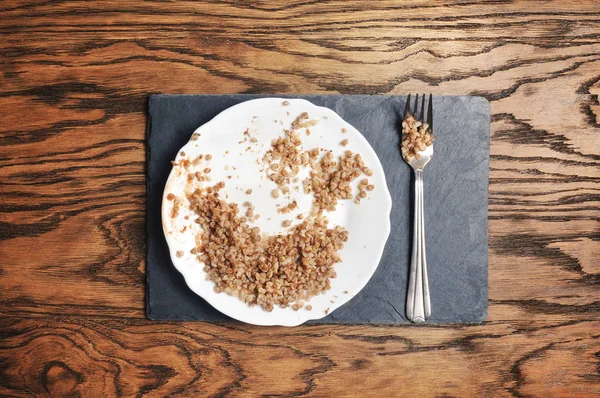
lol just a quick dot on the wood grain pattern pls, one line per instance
(74, 82)
(115, 357)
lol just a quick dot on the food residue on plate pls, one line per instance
(292, 267)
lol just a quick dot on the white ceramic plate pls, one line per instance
(368, 223)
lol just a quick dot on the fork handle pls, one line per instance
(418, 306)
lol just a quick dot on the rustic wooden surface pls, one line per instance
(74, 81)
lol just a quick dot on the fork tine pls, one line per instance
(416, 105)
(430, 113)
(407, 107)
(423, 109)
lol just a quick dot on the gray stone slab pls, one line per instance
(456, 205)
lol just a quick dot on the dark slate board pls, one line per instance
(456, 203)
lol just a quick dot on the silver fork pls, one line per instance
(418, 305)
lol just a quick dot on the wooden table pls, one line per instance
(74, 82)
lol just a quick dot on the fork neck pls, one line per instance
(419, 175)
